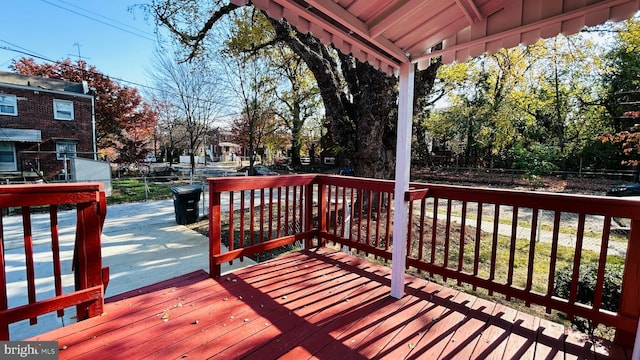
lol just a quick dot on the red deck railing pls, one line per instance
(513, 243)
(90, 278)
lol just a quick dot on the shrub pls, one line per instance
(535, 160)
(612, 286)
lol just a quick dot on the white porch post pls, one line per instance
(403, 167)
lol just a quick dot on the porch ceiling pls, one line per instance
(386, 33)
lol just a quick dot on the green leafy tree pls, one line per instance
(539, 95)
(482, 103)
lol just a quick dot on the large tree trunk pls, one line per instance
(376, 114)
(360, 103)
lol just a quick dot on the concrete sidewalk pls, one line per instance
(141, 244)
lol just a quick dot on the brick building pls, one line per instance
(43, 122)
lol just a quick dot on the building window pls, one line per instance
(62, 110)
(65, 148)
(7, 157)
(8, 105)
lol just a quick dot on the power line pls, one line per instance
(27, 53)
(20, 47)
(107, 18)
(100, 21)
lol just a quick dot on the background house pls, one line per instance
(43, 123)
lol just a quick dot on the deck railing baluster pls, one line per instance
(376, 240)
(494, 245)
(261, 224)
(553, 257)
(409, 231)
(367, 236)
(290, 225)
(4, 301)
(388, 224)
(602, 261)
(243, 212)
(360, 202)
(447, 236)
(55, 248)
(533, 238)
(335, 218)
(28, 253)
(434, 233)
(512, 247)
(252, 216)
(279, 214)
(463, 223)
(343, 211)
(478, 239)
(231, 222)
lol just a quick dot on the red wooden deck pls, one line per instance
(315, 304)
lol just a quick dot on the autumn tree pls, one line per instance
(623, 92)
(124, 123)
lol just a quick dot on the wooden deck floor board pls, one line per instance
(315, 304)
(522, 340)
(550, 341)
(302, 315)
(493, 341)
(468, 334)
(437, 337)
(182, 316)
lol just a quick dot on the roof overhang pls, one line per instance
(387, 33)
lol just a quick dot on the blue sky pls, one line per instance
(103, 32)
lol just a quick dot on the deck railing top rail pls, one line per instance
(577, 203)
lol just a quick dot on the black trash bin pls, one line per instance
(185, 203)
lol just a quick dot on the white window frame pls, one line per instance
(8, 101)
(64, 114)
(62, 146)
